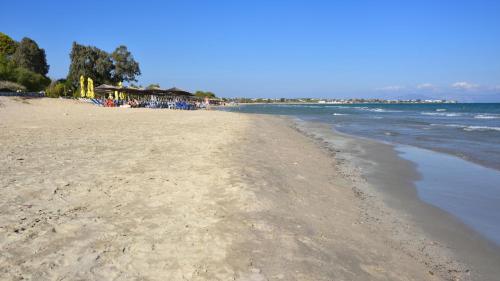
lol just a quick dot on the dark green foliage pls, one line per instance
(126, 68)
(7, 45)
(202, 94)
(90, 62)
(29, 56)
(133, 85)
(6, 69)
(153, 86)
(102, 67)
(31, 80)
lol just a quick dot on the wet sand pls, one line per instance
(93, 193)
(387, 183)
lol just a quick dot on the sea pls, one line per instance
(454, 146)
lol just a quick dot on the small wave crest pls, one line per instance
(486, 116)
(376, 109)
(441, 114)
(481, 128)
(469, 128)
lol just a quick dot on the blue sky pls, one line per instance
(282, 48)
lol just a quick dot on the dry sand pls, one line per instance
(91, 193)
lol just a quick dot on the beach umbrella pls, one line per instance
(90, 88)
(117, 94)
(82, 86)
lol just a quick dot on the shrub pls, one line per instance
(9, 86)
(55, 89)
(32, 81)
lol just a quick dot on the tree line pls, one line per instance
(23, 67)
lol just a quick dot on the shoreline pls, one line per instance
(106, 193)
(394, 186)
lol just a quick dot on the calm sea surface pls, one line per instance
(463, 180)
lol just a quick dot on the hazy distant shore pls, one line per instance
(111, 193)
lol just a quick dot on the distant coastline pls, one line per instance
(337, 101)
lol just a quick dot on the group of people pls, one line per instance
(153, 102)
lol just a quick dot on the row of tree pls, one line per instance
(23, 67)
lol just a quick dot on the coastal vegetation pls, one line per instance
(22, 64)
(11, 86)
(24, 67)
(202, 94)
(153, 86)
(58, 88)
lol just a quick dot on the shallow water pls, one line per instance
(469, 191)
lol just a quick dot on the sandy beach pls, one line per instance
(91, 193)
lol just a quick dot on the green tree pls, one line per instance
(29, 56)
(7, 45)
(153, 86)
(125, 67)
(7, 69)
(133, 85)
(90, 62)
(102, 67)
(202, 94)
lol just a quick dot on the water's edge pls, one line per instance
(392, 179)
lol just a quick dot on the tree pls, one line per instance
(153, 86)
(7, 45)
(126, 68)
(202, 94)
(90, 62)
(29, 56)
(7, 69)
(102, 67)
(133, 85)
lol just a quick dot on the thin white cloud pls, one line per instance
(426, 86)
(464, 86)
(393, 88)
